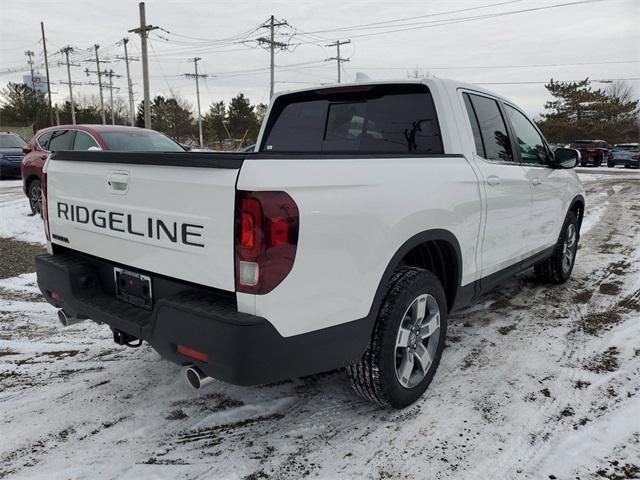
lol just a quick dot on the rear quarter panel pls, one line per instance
(354, 216)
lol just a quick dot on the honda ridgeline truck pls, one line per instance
(367, 214)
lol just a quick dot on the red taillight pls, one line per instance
(193, 354)
(44, 212)
(267, 226)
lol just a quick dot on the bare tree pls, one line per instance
(621, 90)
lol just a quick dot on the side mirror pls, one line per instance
(26, 149)
(566, 157)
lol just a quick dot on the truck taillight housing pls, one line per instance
(266, 239)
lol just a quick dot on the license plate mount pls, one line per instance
(133, 288)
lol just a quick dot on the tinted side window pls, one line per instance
(380, 119)
(298, 128)
(475, 128)
(492, 129)
(62, 140)
(43, 140)
(532, 149)
(84, 141)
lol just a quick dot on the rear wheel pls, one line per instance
(558, 267)
(407, 341)
(35, 196)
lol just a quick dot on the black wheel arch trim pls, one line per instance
(578, 199)
(396, 260)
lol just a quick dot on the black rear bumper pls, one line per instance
(242, 349)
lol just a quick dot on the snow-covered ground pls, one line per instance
(536, 382)
(16, 220)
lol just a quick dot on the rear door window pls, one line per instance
(399, 118)
(62, 140)
(84, 141)
(493, 129)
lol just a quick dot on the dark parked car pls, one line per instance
(627, 154)
(10, 154)
(592, 152)
(85, 137)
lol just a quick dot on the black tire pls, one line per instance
(553, 269)
(375, 377)
(611, 164)
(34, 193)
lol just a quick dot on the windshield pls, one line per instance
(139, 141)
(11, 141)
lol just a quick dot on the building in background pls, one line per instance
(39, 83)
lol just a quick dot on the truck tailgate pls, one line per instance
(170, 214)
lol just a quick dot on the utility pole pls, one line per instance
(46, 66)
(66, 51)
(109, 74)
(338, 58)
(132, 113)
(30, 55)
(197, 75)
(272, 46)
(143, 31)
(96, 46)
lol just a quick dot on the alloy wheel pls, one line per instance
(417, 340)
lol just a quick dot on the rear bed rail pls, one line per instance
(173, 159)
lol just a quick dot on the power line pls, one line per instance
(363, 26)
(605, 80)
(477, 67)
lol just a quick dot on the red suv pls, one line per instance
(84, 137)
(594, 152)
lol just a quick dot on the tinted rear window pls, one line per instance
(380, 119)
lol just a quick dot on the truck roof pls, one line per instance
(426, 81)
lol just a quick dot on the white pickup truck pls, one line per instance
(367, 214)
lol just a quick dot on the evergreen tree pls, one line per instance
(171, 116)
(213, 122)
(579, 112)
(22, 106)
(242, 119)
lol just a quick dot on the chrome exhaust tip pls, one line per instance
(67, 320)
(196, 377)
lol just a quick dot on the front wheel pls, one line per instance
(557, 268)
(407, 341)
(35, 197)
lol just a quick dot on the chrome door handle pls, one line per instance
(536, 181)
(493, 180)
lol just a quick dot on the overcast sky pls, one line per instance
(600, 39)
